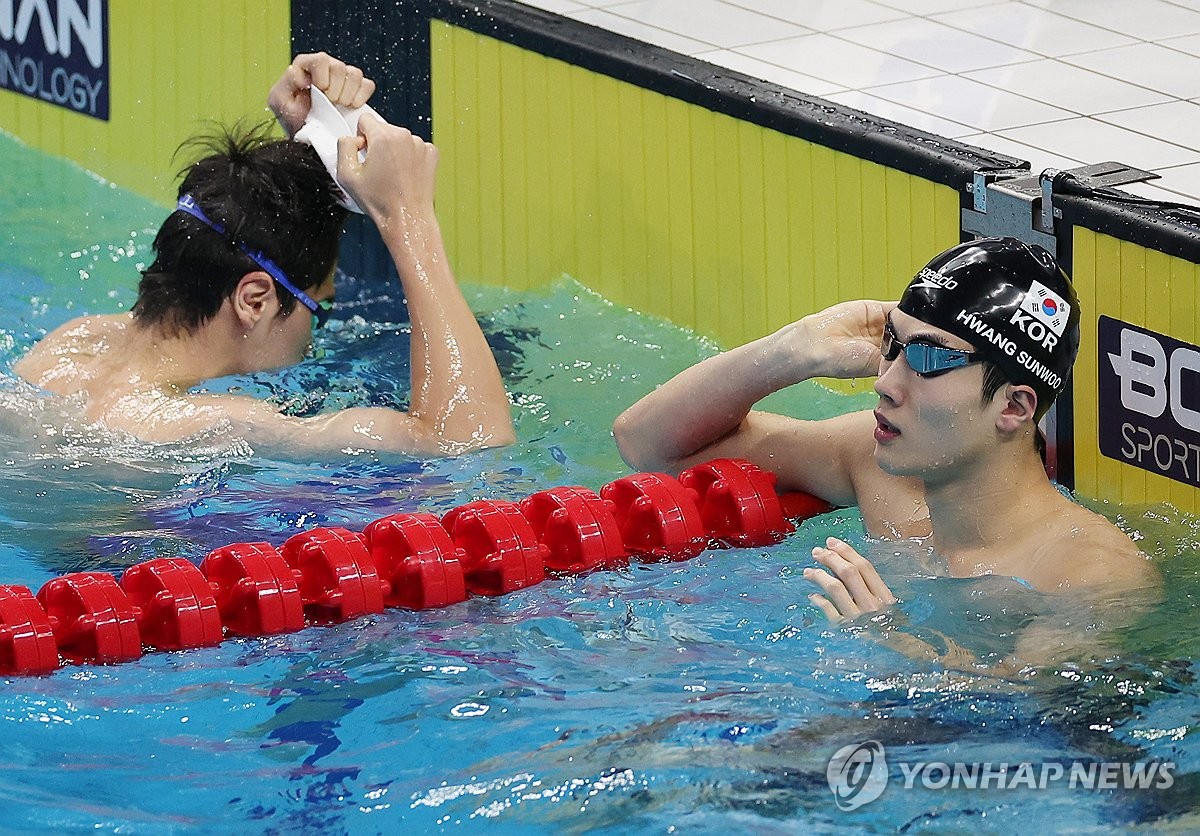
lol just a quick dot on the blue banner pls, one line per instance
(57, 51)
(1149, 390)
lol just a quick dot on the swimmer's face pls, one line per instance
(929, 425)
(291, 333)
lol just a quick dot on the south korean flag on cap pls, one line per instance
(1047, 306)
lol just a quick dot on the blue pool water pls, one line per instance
(700, 696)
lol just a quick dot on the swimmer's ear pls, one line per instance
(252, 296)
(1020, 408)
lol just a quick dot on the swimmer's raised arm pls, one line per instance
(458, 397)
(705, 411)
(344, 84)
(457, 401)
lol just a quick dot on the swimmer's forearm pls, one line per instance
(711, 400)
(956, 659)
(457, 390)
(707, 401)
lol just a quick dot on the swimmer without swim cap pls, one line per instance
(1011, 302)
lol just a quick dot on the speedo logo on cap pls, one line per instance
(933, 280)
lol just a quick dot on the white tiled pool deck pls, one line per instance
(1060, 83)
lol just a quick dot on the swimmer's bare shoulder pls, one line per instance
(75, 358)
(78, 358)
(58, 359)
(1087, 552)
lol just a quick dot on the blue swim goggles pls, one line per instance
(924, 358)
(320, 310)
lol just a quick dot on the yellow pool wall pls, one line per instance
(664, 206)
(174, 68)
(550, 169)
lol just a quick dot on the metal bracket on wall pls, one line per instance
(1015, 203)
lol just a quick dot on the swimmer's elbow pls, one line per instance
(624, 435)
(497, 437)
(496, 429)
(635, 447)
(407, 433)
(506, 437)
(471, 438)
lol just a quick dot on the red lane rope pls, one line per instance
(415, 561)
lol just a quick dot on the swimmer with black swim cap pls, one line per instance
(1009, 300)
(966, 363)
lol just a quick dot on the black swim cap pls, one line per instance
(1011, 302)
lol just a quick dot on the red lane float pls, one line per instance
(174, 605)
(419, 566)
(658, 518)
(737, 502)
(256, 590)
(27, 643)
(798, 505)
(92, 618)
(577, 527)
(405, 560)
(338, 579)
(501, 550)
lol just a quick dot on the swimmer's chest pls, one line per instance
(894, 508)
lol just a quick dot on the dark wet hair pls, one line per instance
(272, 195)
(994, 379)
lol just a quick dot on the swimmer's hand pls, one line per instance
(342, 83)
(854, 587)
(841, 341)
(396, 180)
